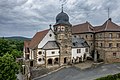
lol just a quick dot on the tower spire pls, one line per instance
(62, 7)
(108, 13)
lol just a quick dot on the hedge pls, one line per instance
(110, 77)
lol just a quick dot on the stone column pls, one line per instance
(45, 59)
(95, 56)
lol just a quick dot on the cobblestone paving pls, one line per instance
(73, 73)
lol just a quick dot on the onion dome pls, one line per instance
(62, 18)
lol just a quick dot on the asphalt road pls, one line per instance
(73, 73)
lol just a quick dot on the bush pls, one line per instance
(110, 77)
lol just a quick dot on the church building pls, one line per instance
(57, 47)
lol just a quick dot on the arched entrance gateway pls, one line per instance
(56, 61)
(65, 60)
(49, 61)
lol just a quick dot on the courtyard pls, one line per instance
(76, 73)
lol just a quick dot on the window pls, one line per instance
(39, 52)
(53, 52)
(101, 45)
(91, 35)
(73, 44)
(100, 36)
(118, 45)
(39, 59)
(91, 44)
(58, 51)
(86, 36)
(86, 50)
(114, 54)
(31, 63)
(74, 36)
(27, 50)
(27, 56)
(62, 28)
(110, 45)
(78, 50)
(118, 35)
(66, 46)
(96, 44)
(58, 28)
(50, 35)
(110, 35)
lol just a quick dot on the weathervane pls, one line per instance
(108, 13)
(62, 7)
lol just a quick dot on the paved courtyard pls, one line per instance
(73, 73)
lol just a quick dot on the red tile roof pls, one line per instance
(26, 43)
(38, 38)
(107, 26)
(82, 28)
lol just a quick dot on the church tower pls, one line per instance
(63, 32)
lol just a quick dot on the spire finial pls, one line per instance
(108, 13)
(50, 26)
(62, 7)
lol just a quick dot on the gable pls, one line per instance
(50, 36)
(38, 37)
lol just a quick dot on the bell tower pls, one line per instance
(63, 33)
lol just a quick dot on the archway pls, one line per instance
(50, 61)
(65, 60)
(56, 61)
(84, 57)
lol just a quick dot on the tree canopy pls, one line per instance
(8, 67)
(9, 51)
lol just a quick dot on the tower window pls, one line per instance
(114, 54)
(110, 45)
(58, 28)
(62, 28)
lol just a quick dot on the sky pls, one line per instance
(26, 17)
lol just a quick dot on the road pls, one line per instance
(73, 73)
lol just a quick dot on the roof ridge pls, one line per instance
(79, 24)
(106, 24)
(35, 40)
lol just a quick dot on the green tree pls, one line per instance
(8, 67)
(4, 46)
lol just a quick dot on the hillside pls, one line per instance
(17, 38)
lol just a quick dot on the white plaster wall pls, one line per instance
(88, 53)
(41, 56)
(75, 54)
(49, 52)
(47, 38)
(24, 53)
